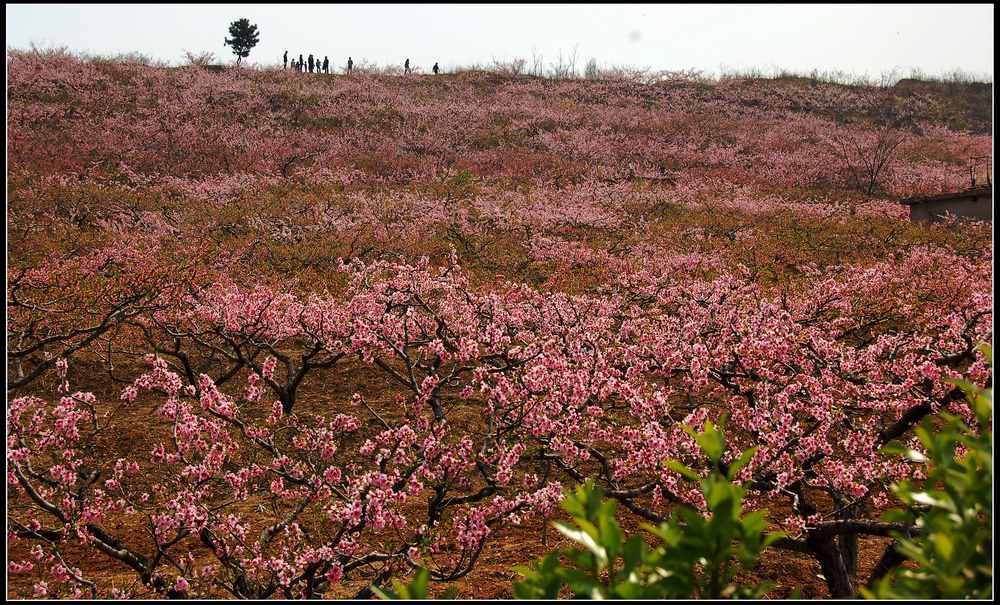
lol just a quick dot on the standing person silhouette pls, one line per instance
(312, 63)
(350, 64)
(286, 59)
(406, 67)
(326, 64)
(302, 64)
(435, 68)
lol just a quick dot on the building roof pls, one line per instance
(953, 195)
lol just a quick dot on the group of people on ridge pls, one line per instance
(313, 65)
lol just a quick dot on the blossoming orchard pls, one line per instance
(272, 335)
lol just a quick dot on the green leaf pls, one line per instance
(943, 545)
(584, 538)
(678, 467)
(711, 442)
(610, 533)
(740, 462)
(929, 500)
(987, 351)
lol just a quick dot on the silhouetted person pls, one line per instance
(302, 64)
(312, 63)
(406, 67)
(350, 65)
(435, 68)
(326, 65)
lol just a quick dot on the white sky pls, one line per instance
(860, 39)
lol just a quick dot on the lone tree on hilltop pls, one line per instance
(244, 37)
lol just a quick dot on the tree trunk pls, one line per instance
(890, 560)
(848, 542)
(287, 398)
(835, 564)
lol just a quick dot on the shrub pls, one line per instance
(951, 510)
(697, 555)
(200, 59)
(415, 589)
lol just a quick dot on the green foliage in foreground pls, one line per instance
(952, 510)
(695, 556)
(415, 590)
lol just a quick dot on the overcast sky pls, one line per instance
(860, 39)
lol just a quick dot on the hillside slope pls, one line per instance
(68, 116)
(275, 334)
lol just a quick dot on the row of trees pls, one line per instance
(492, 399)
(544, 132)
(948, 535)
